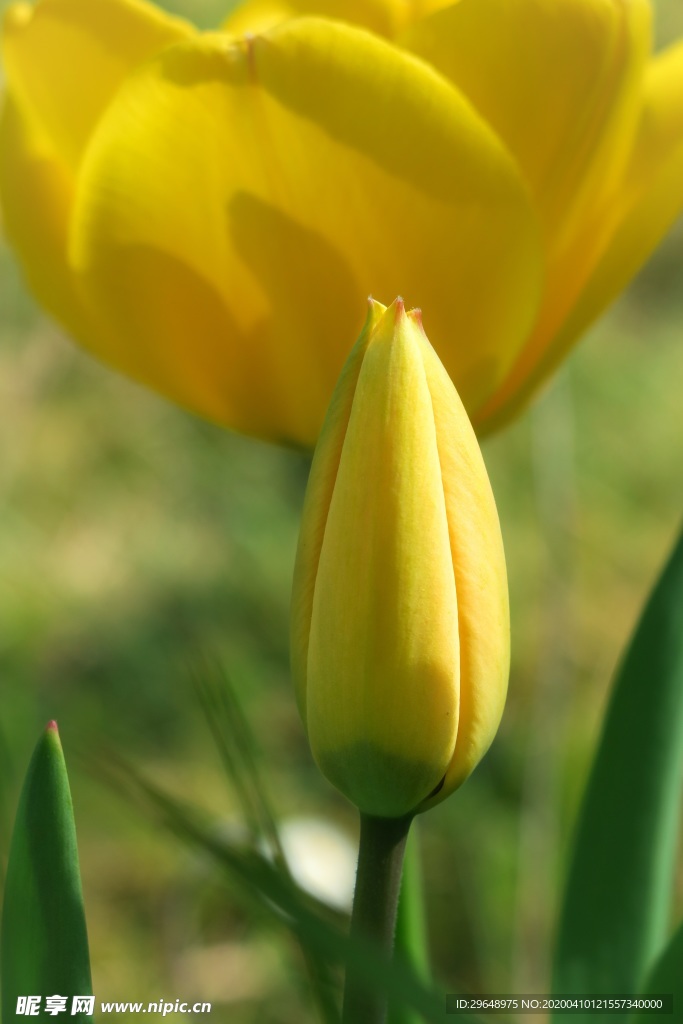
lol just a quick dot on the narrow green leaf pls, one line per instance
(271, 891)
(6, 776)
(237, 749)
(666, 978)
(44, 940)
(411, 924)
(618, 896)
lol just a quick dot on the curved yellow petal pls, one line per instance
(323, 475)
(660, 131)
(65, 59)
(385, 17)
(478, 559)
(651, 197)
(37, 197)
(561, 82)
(383, 702)
(422, 8)
(557, 79)
(641, 210)
(295, 174)
(36, 192)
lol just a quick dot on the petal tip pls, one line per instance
(415, 316)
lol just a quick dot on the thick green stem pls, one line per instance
(411, 944)
(378, 884)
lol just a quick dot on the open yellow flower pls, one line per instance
(191, 206)
(400, 629)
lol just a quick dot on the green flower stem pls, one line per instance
(378, 884)
(411, 946)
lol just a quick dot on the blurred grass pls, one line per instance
(133, 536)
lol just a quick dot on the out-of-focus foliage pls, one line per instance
(269, 892)
(133, 536)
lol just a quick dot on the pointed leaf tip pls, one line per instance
(44, 944)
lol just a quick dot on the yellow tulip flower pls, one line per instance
(400, 627)
(191, 206)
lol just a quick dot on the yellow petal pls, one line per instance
(557, 79)
(640, 212)
(385, 17)
(295, 174)
(651, 197)
(560, 81)
(382, 692)
(321, 483)
(65, 60)
(37, 196)
(36, 193)
(660, 131)
(478, 560)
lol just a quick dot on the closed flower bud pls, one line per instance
(400, 623)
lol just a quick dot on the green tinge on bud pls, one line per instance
(44, 938)
(400, 620)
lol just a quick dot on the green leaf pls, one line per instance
(44, 940)
(237, 749)
(6, 776)
(272, 894)
(666, 978)
(618, 897)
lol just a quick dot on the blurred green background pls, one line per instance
(135, 540)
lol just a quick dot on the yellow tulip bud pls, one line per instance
(400, 622)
